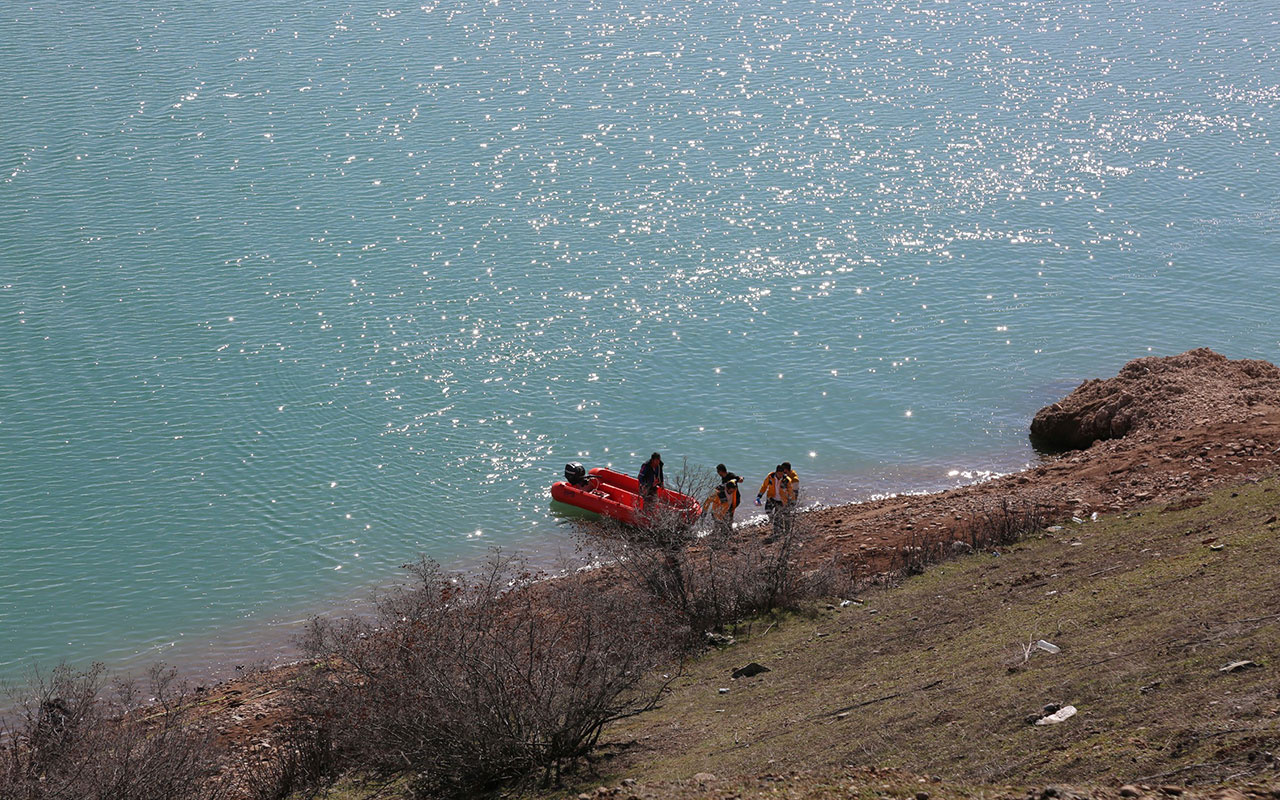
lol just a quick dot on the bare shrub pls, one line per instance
(460, 687)
(302, 763)
(702, 583)
(72, 738)
(998, 525)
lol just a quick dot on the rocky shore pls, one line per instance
(1162, 428)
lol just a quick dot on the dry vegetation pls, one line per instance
(507, 681)
(699, 580)
(74, 737)
(462, 687)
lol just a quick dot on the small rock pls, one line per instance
(1129, 790)
(842, 715)
(723, 690)
(1173, 791)
(922, 796)
(704, 777)
(1236, 666)
(1270, 519)
(750, 670)
(628, 781)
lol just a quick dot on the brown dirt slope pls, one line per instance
(932, 686)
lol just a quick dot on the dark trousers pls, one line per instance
(780, 515)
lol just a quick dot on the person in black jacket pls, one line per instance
(650, 478)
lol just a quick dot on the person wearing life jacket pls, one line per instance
(794, 485)
(650, 478)
(730, 483)
(777, 491)
(720, 507)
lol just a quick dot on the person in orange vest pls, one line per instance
(720, 506)
(794, 486)
(730, 482)
(777, 491)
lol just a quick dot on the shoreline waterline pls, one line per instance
(266, 639)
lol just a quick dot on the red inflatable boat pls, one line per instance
(616, 495)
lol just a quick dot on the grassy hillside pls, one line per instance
(937, 677)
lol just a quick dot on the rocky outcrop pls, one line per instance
(1095, 414)
(1194, 388)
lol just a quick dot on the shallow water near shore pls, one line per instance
(288, 297)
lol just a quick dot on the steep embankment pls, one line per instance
(940, 676)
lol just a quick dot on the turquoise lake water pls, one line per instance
(290, 295)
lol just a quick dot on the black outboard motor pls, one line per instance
(575, 474)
